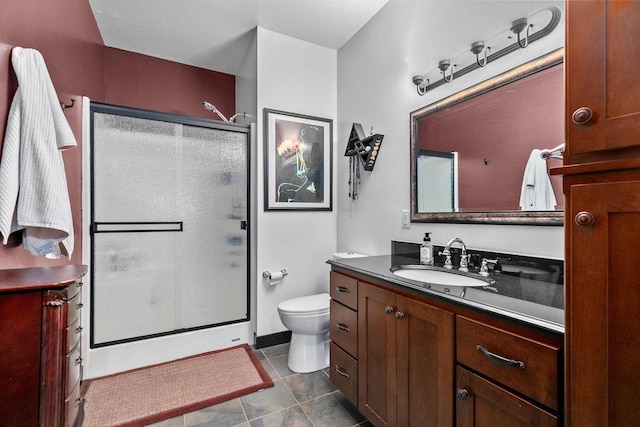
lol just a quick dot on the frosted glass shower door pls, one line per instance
(169, 209)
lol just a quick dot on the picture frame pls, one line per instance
(298, 169)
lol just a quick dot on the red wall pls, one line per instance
(66, 33)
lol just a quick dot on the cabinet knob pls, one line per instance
(585, 219)
(399, 315)
(582, 115)
(388, 310)
(462, 394)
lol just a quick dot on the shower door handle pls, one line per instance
(244, 225)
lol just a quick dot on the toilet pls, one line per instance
(308, 320)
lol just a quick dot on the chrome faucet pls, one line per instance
(464, 263)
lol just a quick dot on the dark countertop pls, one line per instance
(525, 294)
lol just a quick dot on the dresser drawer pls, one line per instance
(522, 364)
(74, 363)
(344, 372)
(344, 289)
(74, 408)
(73, 334)
(74, 307)
(344, 328)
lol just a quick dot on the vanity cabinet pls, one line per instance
(406, 360)
(602, 214)
(417, 361)
(40, 348)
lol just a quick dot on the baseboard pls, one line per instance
(273, 339)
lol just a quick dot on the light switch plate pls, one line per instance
(406, 222)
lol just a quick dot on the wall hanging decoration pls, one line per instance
(361, 149)
(297, 161)
(520, 33)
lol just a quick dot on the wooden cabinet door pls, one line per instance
(377, 354)
(482, 403)
(603, 304)
(425, 358)
(602, 59)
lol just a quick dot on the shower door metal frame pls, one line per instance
(102, 227)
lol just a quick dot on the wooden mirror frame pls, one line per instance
(494, 217)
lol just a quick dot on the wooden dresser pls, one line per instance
(40, 348)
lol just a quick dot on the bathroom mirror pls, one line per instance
(469, 151)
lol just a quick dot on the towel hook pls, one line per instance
(65, 106)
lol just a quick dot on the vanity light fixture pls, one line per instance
(477, 48)
(517, 27)
(443, 66)
(527, 30)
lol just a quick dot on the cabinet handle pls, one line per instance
(585, 219)
(388, 309)
(79, 360)
(78, 329)
(462, 394)
(582, 115)
(343, 327)
(79, 306)
(343, 290)
(79, 401)
(341, 372)
(399, 315)
(499, 360)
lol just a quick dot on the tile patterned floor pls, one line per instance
(296, 400)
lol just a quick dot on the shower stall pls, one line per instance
(169, 203)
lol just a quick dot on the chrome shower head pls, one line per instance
(209, 106)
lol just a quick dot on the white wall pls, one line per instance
(405, 38)
(299, 77)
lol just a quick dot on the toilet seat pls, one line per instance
(306, 306)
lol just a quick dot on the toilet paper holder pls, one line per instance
(267, 274)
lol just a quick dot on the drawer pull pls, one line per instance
(78, 329)
(343, 327)
(79, 306)
(79, 360)
(499, 360)
(343, 290)
(79, 401)
(341, 372)
(388, 309)
(399, 315)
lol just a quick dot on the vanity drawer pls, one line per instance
(74, 408)
(344, 328)
(344, 289)
(343, 372)
(480, 347)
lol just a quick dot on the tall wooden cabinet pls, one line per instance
(40, 349)
(602, 216)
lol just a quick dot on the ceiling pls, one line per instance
(215, 34)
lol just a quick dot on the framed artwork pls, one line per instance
(297, 161)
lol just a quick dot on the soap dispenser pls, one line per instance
(426, 251)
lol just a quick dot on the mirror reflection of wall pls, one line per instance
(437, 181)
(494, 134)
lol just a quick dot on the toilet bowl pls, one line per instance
(308, 320)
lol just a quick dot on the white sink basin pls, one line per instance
(439, 277)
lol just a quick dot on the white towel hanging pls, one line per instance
(537, 192)
(33, 186)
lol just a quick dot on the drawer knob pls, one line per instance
(462, 394)
(79, 361)
(582, 115)
(78, 329)
(399, 315)
(499, 360)
(585, 219)
(388, 309)
(341, 372)
(342, 327)
(343, 290)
